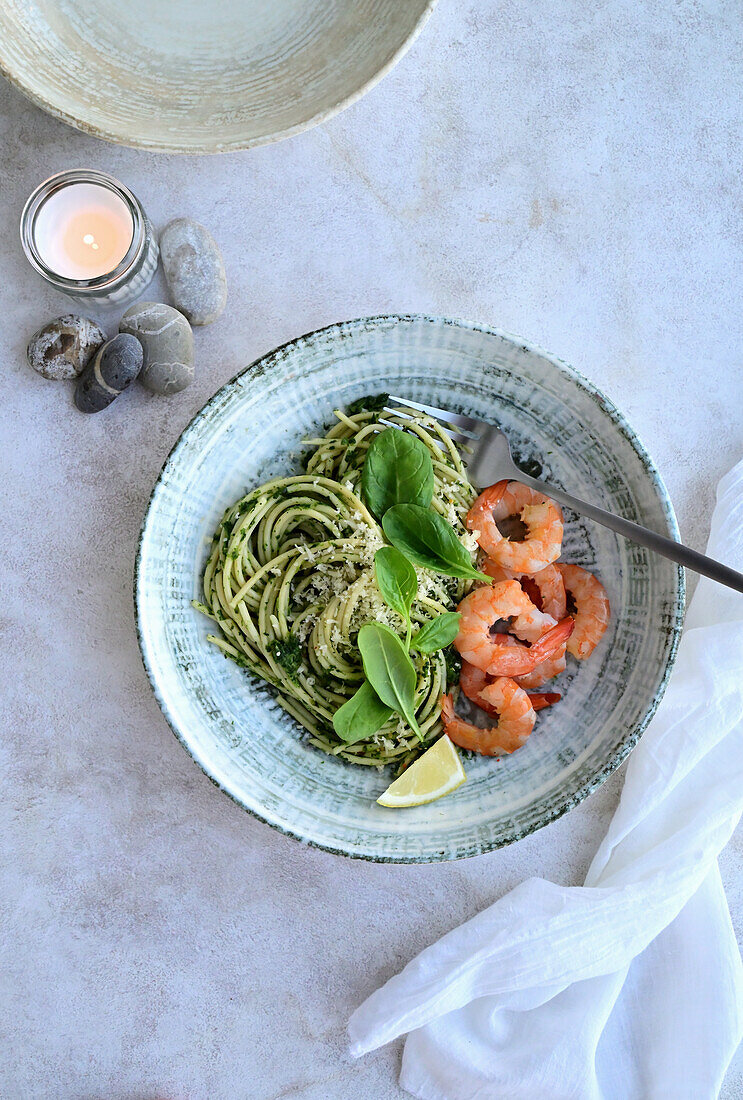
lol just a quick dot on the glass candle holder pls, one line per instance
(88, 236)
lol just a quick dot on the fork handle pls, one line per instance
(668, 548)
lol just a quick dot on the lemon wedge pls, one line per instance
(438, 772)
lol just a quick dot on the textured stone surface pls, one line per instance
(61, 349)
(167, 339)
(569, 172)
(110, 371)
(194, 270)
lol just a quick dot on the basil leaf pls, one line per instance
(437, 634)
(397, 469)
(389, 670)
(361, 715)
(428, 540)
(397, 582)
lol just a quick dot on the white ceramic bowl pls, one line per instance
(201, 76)
(248, 432)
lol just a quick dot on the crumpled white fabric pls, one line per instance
(629, 987)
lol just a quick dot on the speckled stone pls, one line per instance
(63, 348)
(108, 374)
(167, 339)
(194, 270)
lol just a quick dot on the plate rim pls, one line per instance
(607, 405)
(215, 147)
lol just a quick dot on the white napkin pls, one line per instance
(629, 987)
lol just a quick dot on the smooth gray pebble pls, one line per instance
(194, 270)
(108, 373)
(167, 339)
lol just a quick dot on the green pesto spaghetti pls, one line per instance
(290, 580)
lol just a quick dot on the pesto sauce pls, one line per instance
(287, 653)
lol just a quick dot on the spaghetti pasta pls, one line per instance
(290, 581)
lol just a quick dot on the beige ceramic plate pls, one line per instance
(201, 76)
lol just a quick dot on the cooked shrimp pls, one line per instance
(547, 670)
(545, 589)
(472, 680)
(484, 607)
(540, 515)
(515, 660)
(516, 718)
(592, 609)
(553, 666)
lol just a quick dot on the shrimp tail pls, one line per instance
(542, 699)
(472, 680)
(506, 660)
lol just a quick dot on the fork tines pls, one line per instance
(461, 429)
(456, 437)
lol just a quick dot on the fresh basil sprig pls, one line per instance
(398, 583)
(389, 670)
(397, 469)
(361, 715)
(438, 633)
(426, 539)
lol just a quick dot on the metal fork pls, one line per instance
(491, 461)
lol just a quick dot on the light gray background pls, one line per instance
(566, 171)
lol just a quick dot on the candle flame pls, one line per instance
(94, 241)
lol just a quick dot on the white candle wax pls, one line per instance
(83, 231)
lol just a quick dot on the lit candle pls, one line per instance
(83, 231)
(88, 236)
